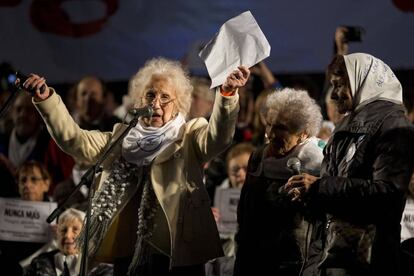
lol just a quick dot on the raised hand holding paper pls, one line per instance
(240, 41)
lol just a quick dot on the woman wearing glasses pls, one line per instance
(33, 184)
(33, 181)
(151, 213)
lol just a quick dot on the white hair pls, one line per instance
(71, 214)
(173, 71)
(302, 112)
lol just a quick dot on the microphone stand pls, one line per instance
(88, 179)
(8, 103)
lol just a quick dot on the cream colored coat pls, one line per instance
(176, 174)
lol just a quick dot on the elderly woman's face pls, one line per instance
(32, 185)
(341, 94)
(283, 137)
(67, 232)
(161, 94)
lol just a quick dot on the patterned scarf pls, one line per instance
(371, 80)
(142, 144)
(129, 175)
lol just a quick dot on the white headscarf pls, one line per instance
(371, 79)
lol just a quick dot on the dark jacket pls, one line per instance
(44, 264)
(271, 226)
(367, 166)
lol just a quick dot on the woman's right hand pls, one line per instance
(35, 82)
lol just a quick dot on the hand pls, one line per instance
(35, 82)
(216, 214)
(298, 185)
(236, 79)
(341, 41)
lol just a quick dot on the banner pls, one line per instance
(25, 221)
(227, 200)
(407, 220)
(65, 39)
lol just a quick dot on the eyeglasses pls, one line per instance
(235, 170)
(150, 97)
(33, 179)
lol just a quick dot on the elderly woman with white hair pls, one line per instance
(272, 232)
(151, 212)
(66, 259)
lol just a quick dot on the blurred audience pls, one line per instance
(202, 99)
(259, 120)
(90, 99)
(64, 189)
(409, 106)
(236, 163)
(28, 139)
(33, 182)
(407, 232)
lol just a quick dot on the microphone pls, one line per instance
(294, 164)
(145, 111)
(22, 77)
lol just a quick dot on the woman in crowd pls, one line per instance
(368, 163)
(151, 213)
(271, 234)
(65, 260)
(33, 181)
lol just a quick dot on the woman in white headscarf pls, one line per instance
(151, 213)
(368, 161)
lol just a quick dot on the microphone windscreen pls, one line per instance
(294, 164)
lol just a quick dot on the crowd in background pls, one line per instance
(34, 168)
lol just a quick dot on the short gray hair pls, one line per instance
(70, 214)
(299, 108)
(173, 71)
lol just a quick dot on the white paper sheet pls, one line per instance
(240, 41)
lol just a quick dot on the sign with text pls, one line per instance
(227, 200)
(407, 220)
(25, 221)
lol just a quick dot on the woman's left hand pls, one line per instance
(236, 79)
(298, 185)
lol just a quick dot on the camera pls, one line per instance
(354, 33)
